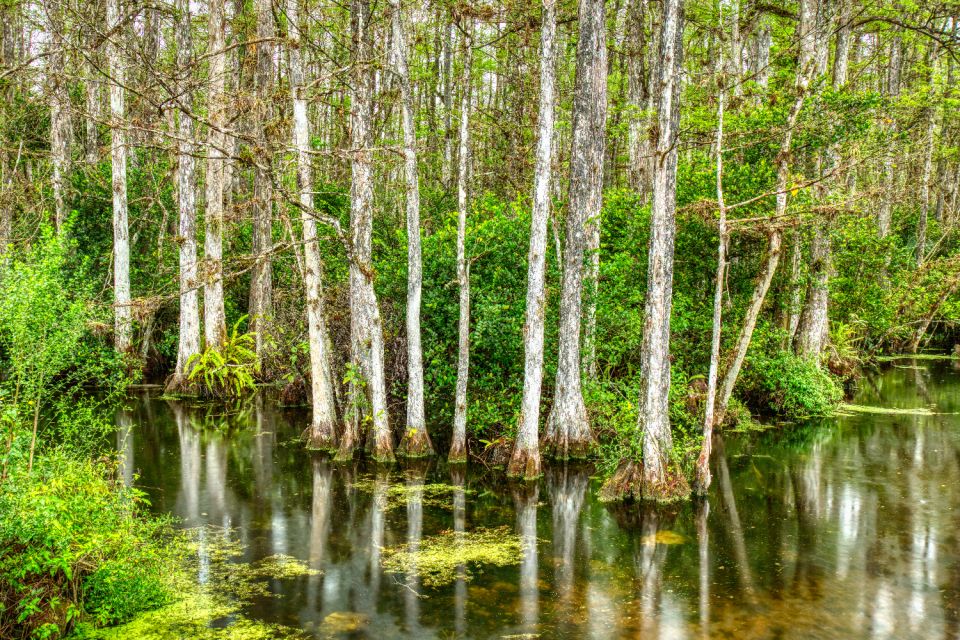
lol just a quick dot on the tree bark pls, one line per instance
(218, 148)
(637, 85)
(813, 328)
(261, 278)
(366, 327)
(928, 141)
(61, 125)
(702, 475)
(568, 432)
(749, 324)
(123, 320)
(885, 213)
(322, 432)
(525, 461)
(654, 421)
(458, 445)
(188, 343)
(416, 440)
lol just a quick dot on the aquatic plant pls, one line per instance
(429, 495)
(441, 559)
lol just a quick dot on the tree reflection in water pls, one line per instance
(844, 528)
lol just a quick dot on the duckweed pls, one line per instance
(430, 495)
(439, 560)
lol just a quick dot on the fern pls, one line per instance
(228, 370)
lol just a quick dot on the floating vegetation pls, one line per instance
(663, 537)
(892, 411)
(917, 356)
(213, 610)
(340, 622)
(399, 495)
(441, 559)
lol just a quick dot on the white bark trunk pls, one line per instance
(458, 445)
(525, 460)
(928, 142)
(416, 440)
(61, 126)
(261, 279)
(189, 337)
(885, 214)
(568, 432)
(654, 420)
(218, 148)
(123, 323)
(322, 433)
(366, 328)
(702, 480)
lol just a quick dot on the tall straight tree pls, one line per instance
(188, 343)
(322, 433)
(654, 419)
(416, 440)
(525, 460)
(214, 314)
(458, 445)
(261, 280)
(568, 432)
(366, 325)
(61, 125)
(123, 316)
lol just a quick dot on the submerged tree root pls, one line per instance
(629, 484)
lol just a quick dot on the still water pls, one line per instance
(846, 528)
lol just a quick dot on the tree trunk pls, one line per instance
(885, 214)
(261, 279)
(525, 461)
(61, 126)
(218, 148)
(447, 170)
(749, 323)
(928, 141)
(416, 440)
(702, 476)
(654, 422)
(458, 445)
(366, 328)
(189, 337)
(813, 328)
(637, 97)
(123, 322)
(568, 432)
(322, 432)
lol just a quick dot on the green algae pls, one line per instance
(892, 411)
(664, 536)
(400, 494)
(440, 559)
(916, 356)
(212, 610)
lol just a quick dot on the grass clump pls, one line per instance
(890, 411)
(439, 560)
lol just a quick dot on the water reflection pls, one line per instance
(843, 529)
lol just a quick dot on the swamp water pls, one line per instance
(844, 528)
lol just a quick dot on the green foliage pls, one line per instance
(75, 544)
(788, 385)
(227, 370)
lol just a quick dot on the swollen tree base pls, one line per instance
(321, 438)
(568, 435)
(629, 484)
(458, 453)
(415, 444)
(180, 384)
(525, 463)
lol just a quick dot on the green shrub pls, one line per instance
(788, 385)
(75, 544)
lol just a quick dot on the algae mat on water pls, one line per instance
(441, 559)
(890, 411)
(212, 611)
